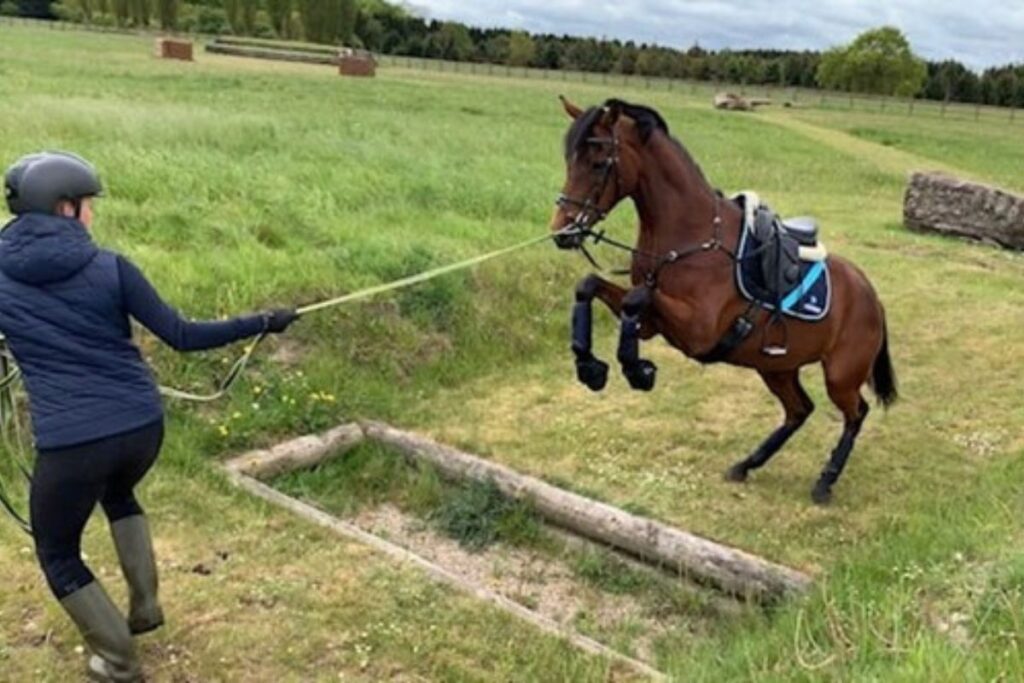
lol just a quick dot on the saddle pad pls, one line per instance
(809, 300)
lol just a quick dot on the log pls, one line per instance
(434, 571)
(733, 102)
(301, 453)
(935, 202)
(273, 54)
(729, 569)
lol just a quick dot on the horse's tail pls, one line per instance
(883, 377)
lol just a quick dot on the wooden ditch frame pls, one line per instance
(728, 569)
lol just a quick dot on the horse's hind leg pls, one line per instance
(639, 372)
(590, 370)
(844, 376)
(798, 405)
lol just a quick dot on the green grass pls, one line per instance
(990, 151)
(242, 184)
(476, 514)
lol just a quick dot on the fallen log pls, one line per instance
(731, 570)
(301, 453)
(935, 202)
(733, 102)
(273, 54)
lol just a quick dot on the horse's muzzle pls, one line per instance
(569, 240)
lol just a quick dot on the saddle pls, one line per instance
(781, 266)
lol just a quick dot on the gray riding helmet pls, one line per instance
(37, 182)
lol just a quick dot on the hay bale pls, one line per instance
(174, 48)
(936, 202)
(356, 63)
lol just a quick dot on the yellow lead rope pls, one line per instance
(238, 368)
(8, 413)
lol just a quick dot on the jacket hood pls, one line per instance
(39, 249)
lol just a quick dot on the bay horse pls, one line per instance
(683, 286)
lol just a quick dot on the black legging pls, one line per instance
(67, 484)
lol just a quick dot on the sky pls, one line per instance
(979, 33)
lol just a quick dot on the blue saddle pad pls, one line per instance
(809, 300)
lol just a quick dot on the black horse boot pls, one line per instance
(590, 370)
(114, 659)
(639, 372)
(135, 551)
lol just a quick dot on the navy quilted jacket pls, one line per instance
(64, 308)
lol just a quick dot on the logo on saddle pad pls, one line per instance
(781, 265)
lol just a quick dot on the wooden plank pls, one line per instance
(301, 453)
(732, 570)
(436, 572)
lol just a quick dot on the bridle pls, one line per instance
(590, 213)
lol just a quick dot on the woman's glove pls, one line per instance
(278, 320)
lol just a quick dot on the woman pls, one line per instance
(97, 417)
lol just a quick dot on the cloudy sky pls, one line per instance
(979, 33)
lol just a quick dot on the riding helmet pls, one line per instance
(37, 182)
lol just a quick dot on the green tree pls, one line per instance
(451, 41)
(878, 61)
(122, 10)
(141, 11)
(521, 49)
(371, 32)
(494, 49)
(247, 15)
(280, 13)
(167, 10)
(233, 12)
(549, 53)
(628, 56)
(328, 21)
(345, 29)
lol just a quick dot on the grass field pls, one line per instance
(242, 184)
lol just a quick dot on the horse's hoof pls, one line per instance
(593, 373)
(737, 473)
(821, 495)
(641, 375)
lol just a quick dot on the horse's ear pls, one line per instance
(571, 109)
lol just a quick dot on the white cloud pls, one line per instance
(979, 33)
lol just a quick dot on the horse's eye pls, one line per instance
(599, 165)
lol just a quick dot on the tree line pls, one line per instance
(879, 61)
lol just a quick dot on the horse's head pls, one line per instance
(602, 166)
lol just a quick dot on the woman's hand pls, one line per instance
(278, 320)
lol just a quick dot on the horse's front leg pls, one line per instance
(590, 370)
(636, 308)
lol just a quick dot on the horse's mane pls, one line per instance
(647, 119)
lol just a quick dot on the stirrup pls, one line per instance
(775, 350)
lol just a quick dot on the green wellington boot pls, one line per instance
(114, 659)
(135, 551)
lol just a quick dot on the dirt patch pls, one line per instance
(544, 582)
